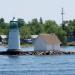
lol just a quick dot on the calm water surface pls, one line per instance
(37, 65)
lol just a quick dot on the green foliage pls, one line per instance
(21, 22)
(50, 26)
(2, 20)
(4, 27)
(41, 21)
(70, 26)
(61, 34)
(36, 27)
(25, 32)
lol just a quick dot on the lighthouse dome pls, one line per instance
(13, 24)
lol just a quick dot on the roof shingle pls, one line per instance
(50, 38)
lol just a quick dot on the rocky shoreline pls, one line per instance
(51, 52)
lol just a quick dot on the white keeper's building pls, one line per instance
(47, 42)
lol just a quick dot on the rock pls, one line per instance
(51, 52)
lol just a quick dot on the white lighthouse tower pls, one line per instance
(14, 37)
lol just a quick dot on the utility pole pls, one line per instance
(62, 14)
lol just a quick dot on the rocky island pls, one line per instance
(45, 44)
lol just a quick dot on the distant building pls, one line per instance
(71, 37)
(3, 39)
(29, 41)
(47, 42)
(33, 37)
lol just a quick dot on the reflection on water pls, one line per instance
(24, 48)
(37, 65)
(31, 48)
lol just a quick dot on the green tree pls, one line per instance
(2, 20)
(41, 21)
(21, 22)
(50, 26)
(25, 32)
(35, 26)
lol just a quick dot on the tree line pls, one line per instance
(38, 26)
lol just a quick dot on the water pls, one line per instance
(37, 65)
(31, 48)
(24, 48)
(68, 48)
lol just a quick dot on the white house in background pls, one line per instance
(3, 38)
(33, 37)
(47, 42)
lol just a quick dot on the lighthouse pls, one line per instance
(14, 36)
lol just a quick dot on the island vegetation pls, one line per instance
(36, 27)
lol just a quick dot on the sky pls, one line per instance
(29, 9)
